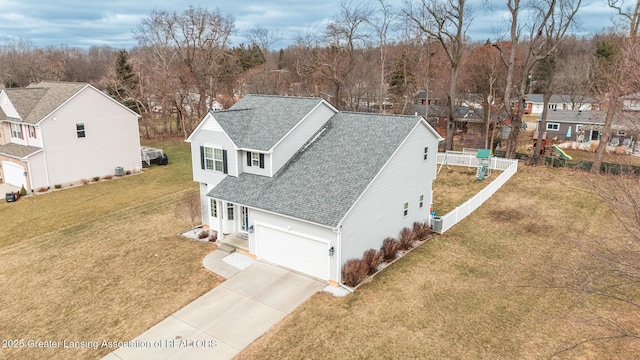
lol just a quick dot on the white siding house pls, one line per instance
(329, 185)
(59, 132)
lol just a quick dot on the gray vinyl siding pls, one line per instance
(38, 175)
(379, 212)
(256, 169)
(112, 138)
(302, 133)
(212, 139)
(204, 204)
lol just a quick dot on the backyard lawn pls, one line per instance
(492, 287)
(98, 262)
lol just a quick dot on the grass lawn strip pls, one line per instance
(479, 291)
(98, 262)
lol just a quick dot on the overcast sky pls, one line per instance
(83, 23)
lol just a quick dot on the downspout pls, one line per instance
(44, 157)
(30, 177)
(338, 231)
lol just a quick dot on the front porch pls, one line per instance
(237, 240)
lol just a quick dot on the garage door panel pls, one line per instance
(294, 251)
(13, 174)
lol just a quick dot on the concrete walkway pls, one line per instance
(222, 322)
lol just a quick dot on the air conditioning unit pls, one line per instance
(119, 171)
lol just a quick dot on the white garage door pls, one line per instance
(13, 174)
(293, 251)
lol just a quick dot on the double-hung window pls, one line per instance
(213, 159)
(16, 131)
(421, 204)
(406, 209)
(426, 153)
(255, 159)
(80, 132)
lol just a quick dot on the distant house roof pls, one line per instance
(36, 101)
(18, 151)
(259, 121)
(575, 116)
(560, 99)
(325, 178)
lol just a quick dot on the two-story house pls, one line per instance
(58, 132)
(308, 186)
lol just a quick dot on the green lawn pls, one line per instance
(99, 262)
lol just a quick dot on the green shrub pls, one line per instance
(96, 178)
(354, 271)
(23, 191)
(57, 186)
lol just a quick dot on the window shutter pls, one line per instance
(224, 162)
(261, 161)
(202, 157)
(248, 158)
(21, 132)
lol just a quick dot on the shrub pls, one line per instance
(96, 178)
(405, 239)
(203, 234)
(23, 191)
(42, 189)
(128, 172)
(108, 177)
(372, 258)
(420, 230)
(389, 249)
(354, 271)
(57, 186)
(85, 181)
(213, 237)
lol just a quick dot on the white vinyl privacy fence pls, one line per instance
(508, 167)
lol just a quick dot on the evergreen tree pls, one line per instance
(402, 82)
(122, 88)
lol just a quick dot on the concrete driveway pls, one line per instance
(5, 188)
(222, 322)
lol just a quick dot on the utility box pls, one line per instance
(119, 171)
(436, 224)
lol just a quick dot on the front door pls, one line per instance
(244, 218)
(595, 135)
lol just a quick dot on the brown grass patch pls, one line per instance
(481, 291)
(100, 262)
(456, 184)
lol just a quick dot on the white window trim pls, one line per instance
(255, 159)
(230, 211)
(211, 161)
(16, 131)
(552, 123)
(83, 131)
(213, 208)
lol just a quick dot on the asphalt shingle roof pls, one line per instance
(575, 116)
(18, 151)
(325, 178)
(36, 101)
(259, 121)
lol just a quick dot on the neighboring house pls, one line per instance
(57, 132)
(310, 187)
(578, 125)
(631, 102)
(535, 103)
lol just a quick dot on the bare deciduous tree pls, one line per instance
(447, 22)
(189, 208)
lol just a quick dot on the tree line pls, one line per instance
(369, 57)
